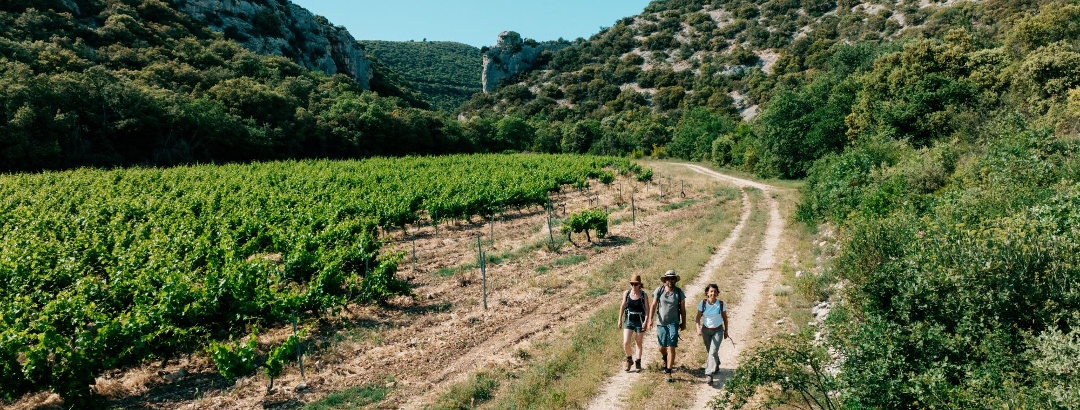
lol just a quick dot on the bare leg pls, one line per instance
(628, 347)
(640, 336)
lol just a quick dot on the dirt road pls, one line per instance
(741, 315)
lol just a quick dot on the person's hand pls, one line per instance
(725, 334)
(682, 326)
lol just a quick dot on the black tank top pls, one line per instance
(635, 306)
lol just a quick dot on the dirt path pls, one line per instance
(741, 315)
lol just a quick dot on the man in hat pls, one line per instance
(669, 308)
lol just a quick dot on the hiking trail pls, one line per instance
(740, 315)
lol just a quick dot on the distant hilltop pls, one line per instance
(512, 55)
(285, 29)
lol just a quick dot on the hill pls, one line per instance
(109, 83)
(445, 73)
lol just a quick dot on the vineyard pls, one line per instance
(106, 269)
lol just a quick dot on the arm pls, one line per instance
(697, 320)
(723, 313)
(649, 314)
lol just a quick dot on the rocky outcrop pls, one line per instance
(512, 55)
(278, 27)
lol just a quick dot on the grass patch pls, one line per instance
(596, 292)
(542, 269)
(446, 272)
(352, 398)
(558, 381)
(677, 205)
(480, 389)
(570, 260)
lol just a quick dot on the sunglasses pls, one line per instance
(635, 284)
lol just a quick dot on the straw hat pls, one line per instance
(669, 275)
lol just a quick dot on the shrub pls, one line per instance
(594, 219)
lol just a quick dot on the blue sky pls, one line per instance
(474, 22)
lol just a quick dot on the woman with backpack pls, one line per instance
(632, 320)
(713, 329)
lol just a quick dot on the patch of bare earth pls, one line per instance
(417, 347)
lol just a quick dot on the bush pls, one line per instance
(594, 219)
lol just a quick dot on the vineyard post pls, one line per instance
(483, 273)
(682, 188)
(299, 348)
(491, 225)
(551, 237)
(414, 253)
(633, 211)
(435, 221)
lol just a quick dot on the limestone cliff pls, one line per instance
(278, 27)
(512, 55)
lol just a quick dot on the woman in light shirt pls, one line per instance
(713, 329)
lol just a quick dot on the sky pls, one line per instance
(473, 22)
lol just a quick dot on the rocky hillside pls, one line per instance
(282, 28)
(513, 55)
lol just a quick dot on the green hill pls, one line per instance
(445, 73)
(136, 82)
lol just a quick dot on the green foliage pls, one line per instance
(105, 269)
(108, 84)
(279, 356)
(837, 183)
(798, 127)
(793, 370)
(234, 361)
(917, 94)
(445, 73)
(589, 219)
(695, 132)
(956, 298)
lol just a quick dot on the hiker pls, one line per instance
(632, 320)
(669, 309)
(713, 330)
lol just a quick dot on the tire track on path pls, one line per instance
(741, 316)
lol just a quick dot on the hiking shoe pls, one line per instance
(629, 362)
(708, 379)
(669, 379)
(637, 364)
